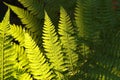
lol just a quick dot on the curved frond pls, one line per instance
(68, 40)
(21, 65)
(6, 50)
(18, 33)
(25, 76)
(34, 6)
(104, 15)
(110, 48)
(79, 19)
(52, 46)
(85, 15)
(39, 67)
(30, 21)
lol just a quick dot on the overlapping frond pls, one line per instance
(104, 15)
(68, 40)
(79, 19)
(34, 6)
(25, 76)
(103, 49)
(110, 48)
(17, 33)
(94, 18)
(86, 47)
(85, 18)
(39, 67)
(52, 46)
(30, 21)
(6, 50)
(21, 61)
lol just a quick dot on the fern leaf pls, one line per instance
(79, 19)
(67, 38)
(107, 43)
(34, 6)
(39, 68)
(85, 15)
(31, 22)
(21, 65)
(52, 46)
(17, 33)
(6, 50)
(25, 76)
(82, 33)
(110, 61)
(105, 14)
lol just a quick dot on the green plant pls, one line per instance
(61, 47)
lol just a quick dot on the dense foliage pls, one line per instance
(77, 41)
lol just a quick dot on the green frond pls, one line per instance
(39, 68)
(36, 38)
(17, 32)
(52, 46)
(105, 61)
(62, 47)
(21, 65)
(25, 76)
(79, 19)
(104, 15)
(68, 40)
(34, 6)
(110, 49)
(92, 16)
(30, 21)
(6, 50)
(81, 16)
(85, 15)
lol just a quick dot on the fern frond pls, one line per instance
(68, 40)
(105, 49)
(52, 46)
(35, 37)
(110, 61)
(39, 68)
(17, 33)
(81, 16)
(104, 15)
(21, 65)
(101, 62)
(85, 15)
(6, 50)
(25, 76)
(79, 19)
(34, 6)
(30, 21)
